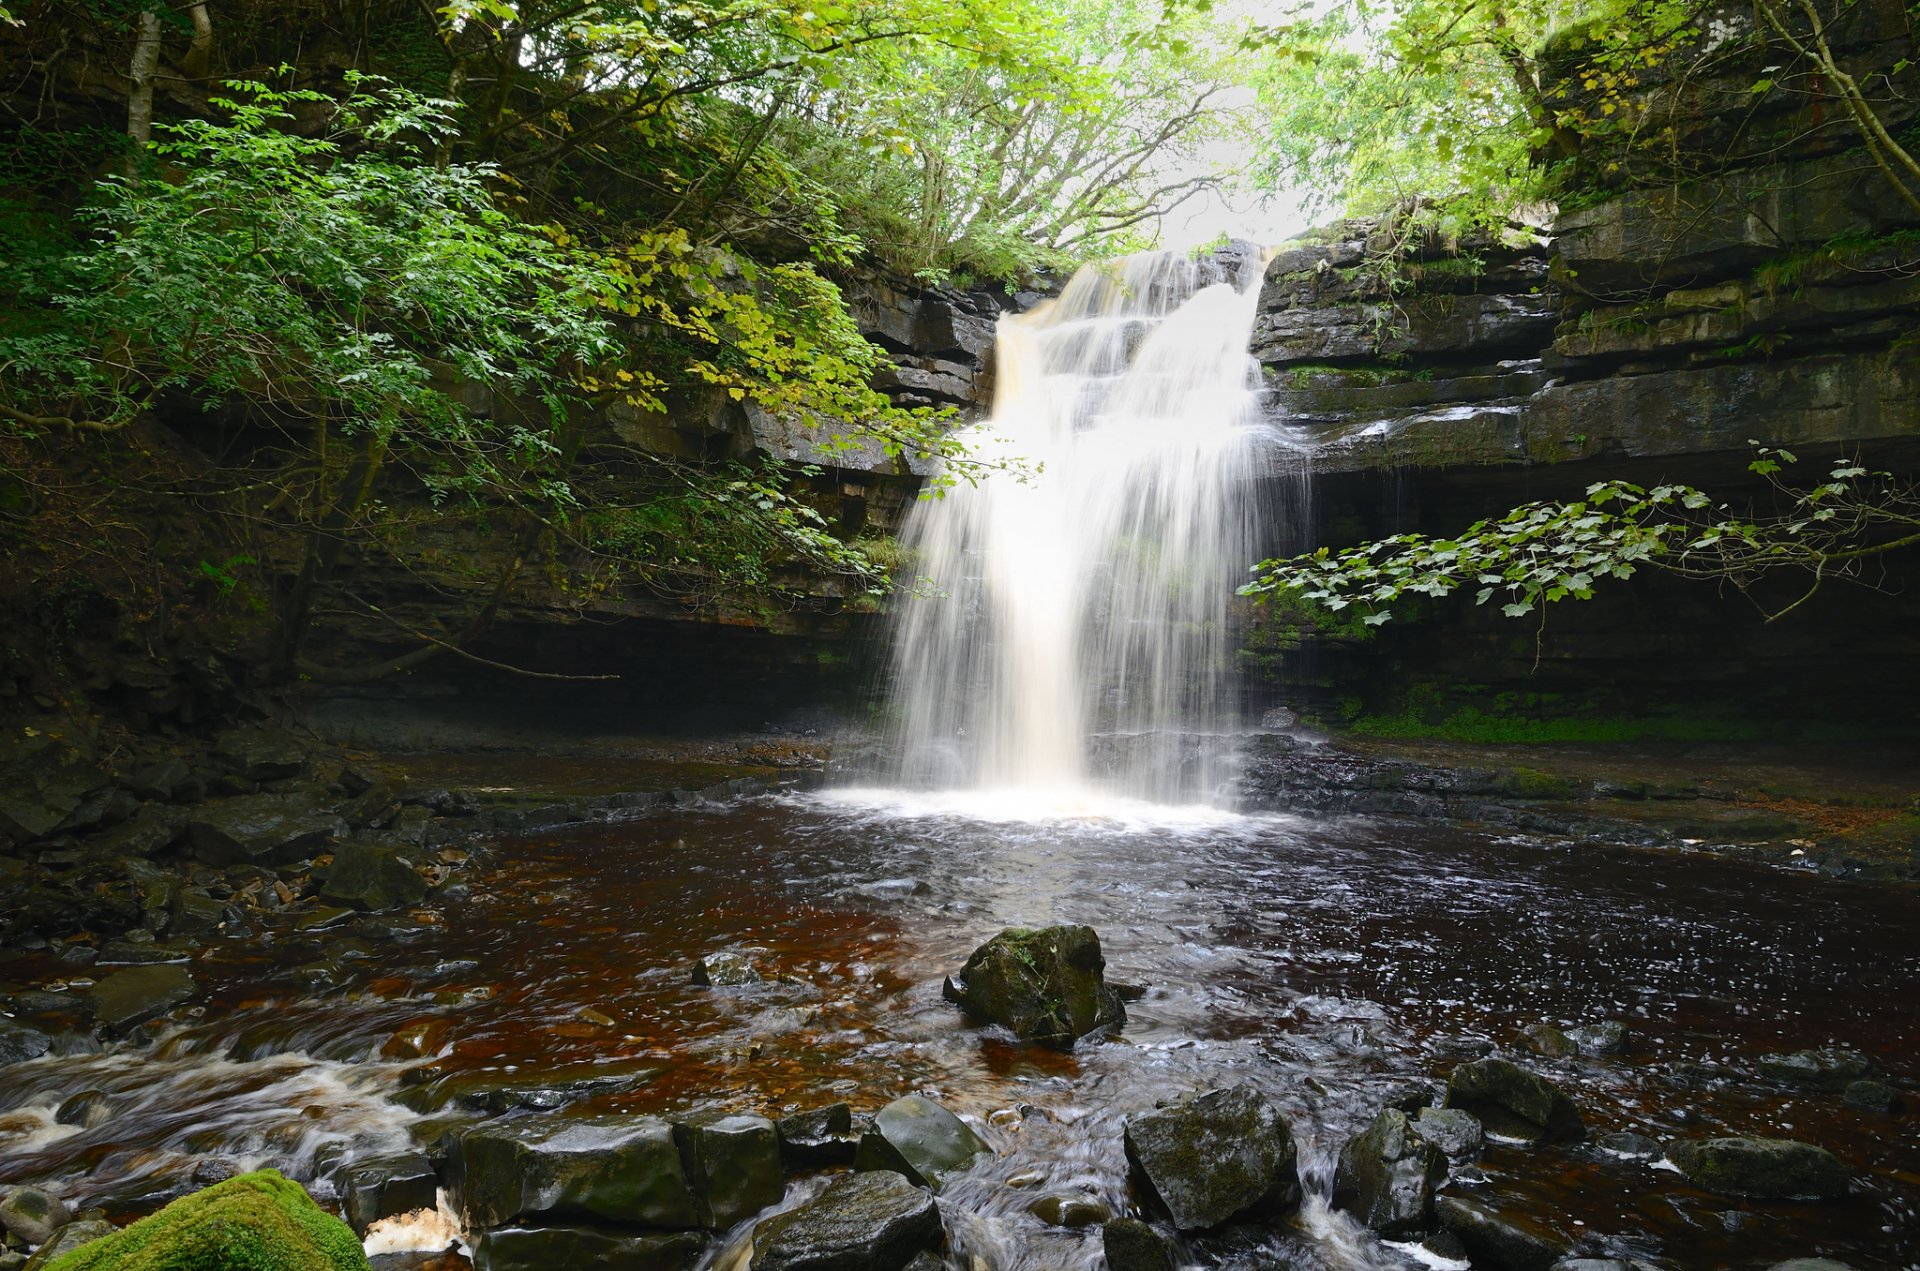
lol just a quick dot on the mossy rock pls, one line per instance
(256, 1222)
(1047, 986)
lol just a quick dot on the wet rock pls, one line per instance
(1408, 1096)
(1506, 1240)
(1131, 1245)
(1070, 1211)
(1046, 985)
(381, 1188)
(733, 1166)
(1871, 1096)
(625, 1169)
(862, 1222)
(260, 754)
(1459, 1135)
(586, 1249)
(42, 784)
(1550, 1042)
(499, 1092)
(33, 1215)
(819, 1136)
(1629, 1146)
(86, 1109)
(1603, 1039)
(729, 968)
(1387, 1174)
(1761, 1168)
(1828, 1069)
(1212, 1157)
(372, 877)
(151, 830)
(1602, 1264)
(197, 913)
(66, 1240)
(421, 1038)
(1810, 1264)
(140, 993)
(1458, 1045)
(1514, 1103)
(265, 829)
(917, 1137)
(20, 1042)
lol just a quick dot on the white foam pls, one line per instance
(419, 1231)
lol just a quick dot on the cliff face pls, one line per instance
(1738, 269)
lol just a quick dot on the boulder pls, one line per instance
(383, 1187)
(1459, 1135)
(818, 1136)
(263, 1215)
(373, 877)
(73, 1236)
(1514, 1103)
(20, 1042)
(152, 829)
(1550, 1042)
(1608, 1037)
(861, 1222)
(1629, 1146)
(917, 1137)
(733, 1166)
(263, 829)
(1826, 1069)
(1761, 1168)
(1502, 1239)
(260, 754)
(1215, 1156)
(1131, 1245)
(1871, 1096)
(728, 968)
(33, 1215)
(84, 1108)
(626, 1169)
(1045, 985)
(158, 781)
(42, 783)
(586, 1249)
(140, 993)
(1386, 1176)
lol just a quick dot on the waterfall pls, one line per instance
(1073, 631)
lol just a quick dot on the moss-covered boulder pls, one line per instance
(1761, 1168)
(1514, 1103)
(1046, 985)
(1387, 1175)
(1216, 1156)
(256, 1222)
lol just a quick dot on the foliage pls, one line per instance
(1541, 553)
(256, 1222)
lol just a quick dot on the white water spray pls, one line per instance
(1080, 637)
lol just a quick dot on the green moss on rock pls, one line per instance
(256, 1222)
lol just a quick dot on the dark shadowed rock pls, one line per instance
(264, 829)
(818, 1136)
(625, 1169)
(862, 1222)
(260, 754)
(372, 876)
(381, 1188)
(1387, 1174)
(1761, 1168)
(917, 1137)
(1810, 1264)
(1871, 1096)
(1046, 985)
(586, 1249)
(1828, 1069)
(1212, 1157)
(20, 1042)
(42, 783)
(1514, 1103)
(140, 993)
(1500, 1238)
(733, 1166)
(1131, 1245)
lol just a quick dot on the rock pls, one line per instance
(1047, 985)
(1408, 1096)
(1514, 1103)
(86, 1109)
(1602, 1039)
(20, 1042)
(421, 1038)
(1500, 1239)
(1602, 1264)
(1871, 1096)
(1131, 1245)
(283, 1227)
(586, 1249)
(196, 913)
(75, 1235)
(820, 1136)
(1387, 1174)
(42, 783)
(917, 1137)
(1211, 1157)
(1550, 1042)
(158, 781)
(264, 829)
(261, 755)
(140, 993)
(862, 1222)
(33, 1215)
(1810, 1264)
(733, 1166)
(389, 1185)
(1830, 1069)
(1761, 1168)
(1630, 1146)
(151, 830)
(625, 1169)
(1070, 1211)
(372, 877)
(1459, 1135)
(729, 968)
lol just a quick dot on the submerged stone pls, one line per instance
(1046, 985)
(1826, 1069)
(1502, 1239)
(1212, 1157)
(728, 968)
(1761, 1168)
(917, 1137)
(861, 1222)
(1514, 1103)
(1871, 1096)
(1132, 1245)
(1387, 1174)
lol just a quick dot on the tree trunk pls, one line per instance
(146, 59)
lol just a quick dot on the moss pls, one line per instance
(256, 1222)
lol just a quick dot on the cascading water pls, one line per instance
(1075, 627)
